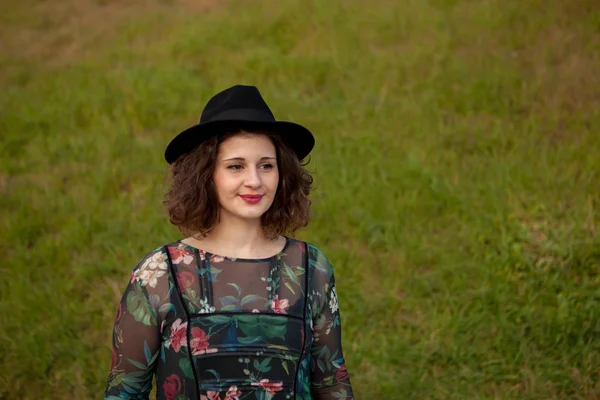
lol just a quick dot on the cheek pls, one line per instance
(221, 183)
(274, 182)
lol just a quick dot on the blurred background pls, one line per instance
(457, 172)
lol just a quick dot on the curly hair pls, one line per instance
(193, 205)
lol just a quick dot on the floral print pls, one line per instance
(211, 395)
(212, 327)
(185, 279)
(333, 302)
(342, 373)
(180, 254)
(279, 306)
(153, 268)
(205, 307)
(269, 387)
(178, 334)
(150, 277)
(156, 261)
(199, 342)
(233, 393)
(172, 387)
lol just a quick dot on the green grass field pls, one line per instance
(457, 178)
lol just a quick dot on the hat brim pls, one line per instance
(295, 136)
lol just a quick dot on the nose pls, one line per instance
(252, 178)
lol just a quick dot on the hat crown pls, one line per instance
(238, 97)
(235, 108)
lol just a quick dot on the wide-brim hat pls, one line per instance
(235, 108)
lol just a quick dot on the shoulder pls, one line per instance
(163, 255)
(314, 251)
(157, 258)
(153, 267)
(317, 259)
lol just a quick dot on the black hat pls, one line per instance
(239, 107)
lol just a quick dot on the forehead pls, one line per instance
(247, 145)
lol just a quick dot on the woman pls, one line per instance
(236, 310)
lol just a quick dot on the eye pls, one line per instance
(234, 167)
(266, 166)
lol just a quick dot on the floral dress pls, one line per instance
(218, 328)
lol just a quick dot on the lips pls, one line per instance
(251, 198)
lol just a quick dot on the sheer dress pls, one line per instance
(210, 327)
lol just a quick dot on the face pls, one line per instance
(246, 176)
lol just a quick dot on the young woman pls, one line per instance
(236, 310)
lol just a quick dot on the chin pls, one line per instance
(247, 212)
(252, 215)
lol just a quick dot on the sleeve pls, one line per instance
(329, 375)
(136, 332)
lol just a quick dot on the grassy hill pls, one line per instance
(457, 172)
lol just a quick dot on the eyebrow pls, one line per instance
(243, 159)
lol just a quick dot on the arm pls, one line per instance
(136, 333)
(329, 376)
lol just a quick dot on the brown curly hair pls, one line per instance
(192, 202)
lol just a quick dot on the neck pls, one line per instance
(237, 235)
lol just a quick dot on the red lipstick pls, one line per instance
(251, 198)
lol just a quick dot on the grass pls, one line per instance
(456, 166)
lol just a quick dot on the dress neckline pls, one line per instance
(212, 256)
